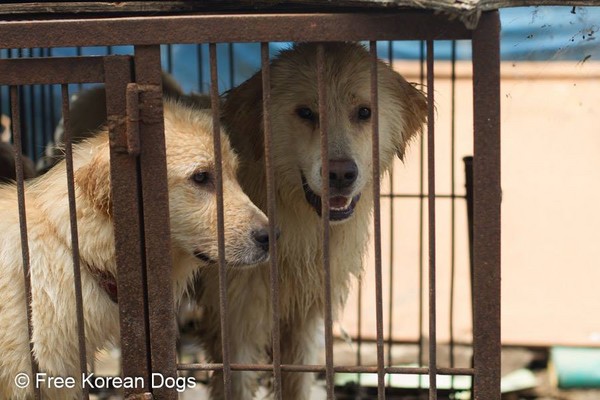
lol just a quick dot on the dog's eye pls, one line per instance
(201, 178)
(305, 113)
(364, 113)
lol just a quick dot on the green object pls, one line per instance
(405, 381)
(576, 367)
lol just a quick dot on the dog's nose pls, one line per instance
(261, 237)
(342, 173)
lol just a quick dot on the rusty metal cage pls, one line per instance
(29, 72)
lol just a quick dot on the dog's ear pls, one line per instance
(243, 115)
(411, 104)
(93, 179)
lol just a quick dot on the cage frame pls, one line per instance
(148, 32)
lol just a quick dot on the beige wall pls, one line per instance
(550, 215)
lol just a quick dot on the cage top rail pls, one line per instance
(467, 11)
(152, 30)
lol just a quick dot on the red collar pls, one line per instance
(107, 281)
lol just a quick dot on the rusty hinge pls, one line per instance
(143, 104)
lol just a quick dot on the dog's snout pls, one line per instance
(342, 173)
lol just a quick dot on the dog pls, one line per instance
(192, 206)
(7, 155)
(297, 163)
(7, 164)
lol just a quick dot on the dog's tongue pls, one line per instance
(338, 202)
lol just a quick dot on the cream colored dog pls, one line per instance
(191, 180)
(297, 163)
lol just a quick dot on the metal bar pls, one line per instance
(46, 127)
(78, 53)
(391, 239)
(323, 368)
(214, 94)
(200, 68)
(232, 65)
(74, 239)
(421, 196)
(452, 203)
(486, 207)
(184, 29)
(129, 234)
(271, 190)
(377, 222)
(421, 218)
(321, 83)
(431, 223)
(157, 232)
(23, 110)
(169, 51)
(359, 330)
(32, 120)
(56, 70)
(16, 131)
(468, 161)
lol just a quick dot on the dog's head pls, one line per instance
(295, 121)
(192, 191)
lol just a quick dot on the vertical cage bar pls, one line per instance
(321, 82)
(359, 333)
(391, 239)
(157, 232)
(200, 68)
(452, 202)
(15, 102)
(33, 123)
(271, 190)
(231, 65)
(23, 125)
(468, 161)
(78, 52)
(214, 94)
(169, 58)
(74, 238)
(46, 128)
(431, 223)
(129, 231)
(421, 222)
(377, 223)
(486, 207)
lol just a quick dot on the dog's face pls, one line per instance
(192, 192)
(349, 113)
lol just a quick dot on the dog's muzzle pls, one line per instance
(340, 207)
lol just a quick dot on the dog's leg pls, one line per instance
(299, 345)
(249, 332)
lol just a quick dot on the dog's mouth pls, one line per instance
(340, 207)
(208, 260)
(203, 257)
